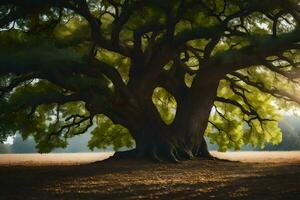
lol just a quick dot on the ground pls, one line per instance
(257, 175)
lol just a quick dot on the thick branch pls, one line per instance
(235, 103)
(274, 92)
(113, 75)
(232, 60)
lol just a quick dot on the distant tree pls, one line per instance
(75, 144)
(4, 148)
(21, 146)
(159, 73)
(290, 136)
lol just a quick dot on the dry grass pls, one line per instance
(264, 175)
(35, 159)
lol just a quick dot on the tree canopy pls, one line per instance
(157, 74)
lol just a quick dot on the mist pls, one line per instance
(290, 127)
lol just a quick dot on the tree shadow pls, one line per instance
(126, 179)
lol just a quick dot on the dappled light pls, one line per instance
(275, 177)
(148, 74)
(157, 82)
(165, 104)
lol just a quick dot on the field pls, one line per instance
(250, 175)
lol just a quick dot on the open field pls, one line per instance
(260, 175)
(34, 159)
(84, 158)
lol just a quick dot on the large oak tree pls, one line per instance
(161, 74)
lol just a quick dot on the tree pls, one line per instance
(290, 135)
(4, 148)
(160, 73)
(21, 146)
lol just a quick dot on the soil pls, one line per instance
(252, 175)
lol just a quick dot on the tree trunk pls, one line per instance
(182, 140)
(158, 142)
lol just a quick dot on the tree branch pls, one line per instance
(274, 92)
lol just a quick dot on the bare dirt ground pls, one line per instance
(257, 175)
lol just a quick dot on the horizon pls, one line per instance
(79, 143)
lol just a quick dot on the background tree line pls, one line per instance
(290, 127)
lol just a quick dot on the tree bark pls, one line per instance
(184, 138)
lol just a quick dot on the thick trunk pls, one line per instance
(163, 146)
(193, 113)
(182, 140)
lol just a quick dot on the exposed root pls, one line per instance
(165, 153)
(168, 155)
(120, 155)
(172, 156)
(154, 155)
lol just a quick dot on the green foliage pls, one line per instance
(119, 62)
(50, 48)
(24, 113)
(107, 134)
(290, 137)
(42, 124)
(18, 51)
(4, 148)
(231, 128)
(165, 104)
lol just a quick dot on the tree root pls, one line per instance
(162, 154)
(120, 155)
(155, 154)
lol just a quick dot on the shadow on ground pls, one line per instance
(143, 180)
